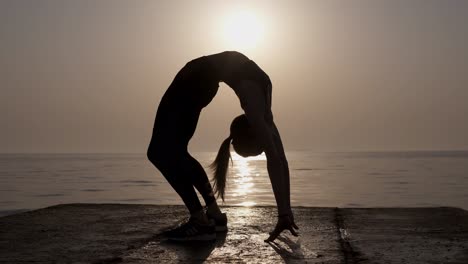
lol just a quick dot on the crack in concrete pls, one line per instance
(350, 255)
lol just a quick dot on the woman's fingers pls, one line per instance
(283, 224)
(275, 233)
(273, 236)
(294, 225)
(293, 232)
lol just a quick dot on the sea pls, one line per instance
(335, 179)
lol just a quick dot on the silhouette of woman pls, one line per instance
(192, 89)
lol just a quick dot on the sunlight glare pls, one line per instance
(243, 177)
(243, 30)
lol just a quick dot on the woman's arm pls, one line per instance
(279, 146)
(259, 114)
(285, 221)
(276, 163)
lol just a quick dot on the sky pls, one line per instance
(87, 76)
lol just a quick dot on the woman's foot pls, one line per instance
(214, 214)
(192, 230)
(219, 220)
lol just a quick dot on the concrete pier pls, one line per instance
(119, 233)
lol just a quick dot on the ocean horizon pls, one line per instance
(318, 179)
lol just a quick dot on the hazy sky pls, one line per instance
(87, 76)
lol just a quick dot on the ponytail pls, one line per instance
(220, 166)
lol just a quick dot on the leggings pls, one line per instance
(173, 128)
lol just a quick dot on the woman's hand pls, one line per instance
(284, 222)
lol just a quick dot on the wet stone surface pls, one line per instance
(119, 233)
(248, 228)
(407, 235)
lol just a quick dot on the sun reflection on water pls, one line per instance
(242, 178)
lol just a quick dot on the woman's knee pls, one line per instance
(156, 155)
(162, 157)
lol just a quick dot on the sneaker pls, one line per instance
(192, 231)
(220, 222)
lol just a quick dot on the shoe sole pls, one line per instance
(205, 237)
(221, 229)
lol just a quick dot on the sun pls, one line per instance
(243, 30)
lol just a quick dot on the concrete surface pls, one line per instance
(118, 233)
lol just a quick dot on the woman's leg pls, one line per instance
(173, 129)
(200, 180)
(168, 147)
(172, 165)
(193, 169)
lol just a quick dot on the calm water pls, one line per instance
(357, 179)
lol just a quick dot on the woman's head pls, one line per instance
(245, 144)
(243, 138)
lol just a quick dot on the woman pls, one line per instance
(192, 89)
